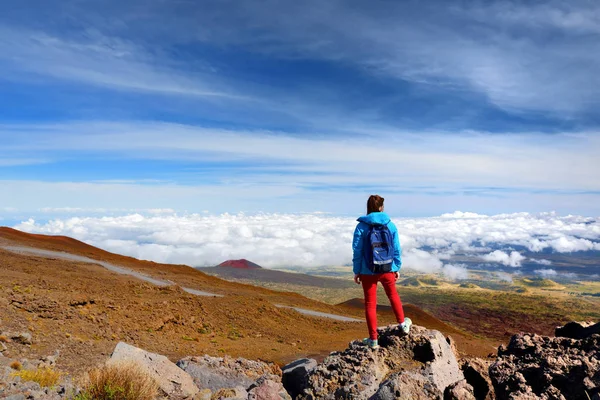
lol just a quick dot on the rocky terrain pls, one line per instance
(421, 365)
(60, 319)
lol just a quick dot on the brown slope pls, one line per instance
(275, 276)
(180, 274)
(243, 323)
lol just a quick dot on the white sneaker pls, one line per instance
(405, 326)
(371, 343)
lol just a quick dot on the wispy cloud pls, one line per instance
(519, 56)
(436, 159)
(98, 60)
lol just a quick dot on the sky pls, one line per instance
(197, 131)
(111, 107)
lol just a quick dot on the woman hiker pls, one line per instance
(376, 258)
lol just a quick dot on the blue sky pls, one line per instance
(282, 106)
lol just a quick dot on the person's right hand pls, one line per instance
(357, 279)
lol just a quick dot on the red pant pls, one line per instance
(369, 284)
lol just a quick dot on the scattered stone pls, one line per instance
(460, 390)
(295, 375)
(534, 366)
(22, 338)
(173, 381)
(226, 372)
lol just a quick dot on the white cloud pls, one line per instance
(311, 239)
(546, 273)
(504, 276)
(513, 259)
(540, 261)
(455, 271)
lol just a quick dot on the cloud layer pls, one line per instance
(312, 240)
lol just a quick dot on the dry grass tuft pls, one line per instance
(16, 365)
(46, 377)
(223, 393)
(121, 381)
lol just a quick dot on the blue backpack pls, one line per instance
(379, 249)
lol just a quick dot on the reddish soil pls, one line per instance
(243, 264)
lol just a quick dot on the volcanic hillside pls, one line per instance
(83, 309)
(248, 272)
(241, 264)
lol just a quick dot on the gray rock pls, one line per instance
(547, 367)
(22, 338)
(460, 390)
(216, 373)
(173, 381)
(295, 375)
(15, 397)
(359, 372)
(443, 369)
(267, 387)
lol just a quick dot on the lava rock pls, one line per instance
(216, 373)
(476, 372)
(534, 366)
(295, 375)
(407, 386)
(359, 372)
(577, 330)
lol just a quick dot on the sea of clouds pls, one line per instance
(310, 240)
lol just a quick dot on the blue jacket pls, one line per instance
(364, 222)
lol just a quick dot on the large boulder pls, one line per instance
(172, 380)
(295, 375)
(534, 366)
(226, 372)
(441, 365)
(360, 372)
